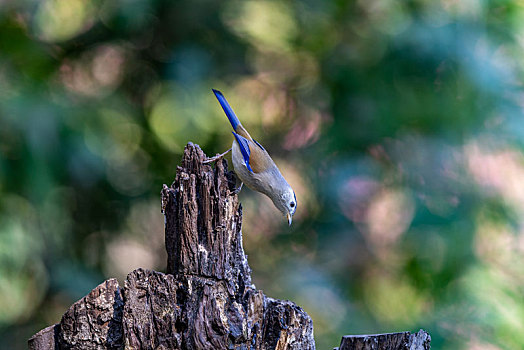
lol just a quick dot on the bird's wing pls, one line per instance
(259, 160)
(243, 143)
(255, 156)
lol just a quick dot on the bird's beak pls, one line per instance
(289, 218)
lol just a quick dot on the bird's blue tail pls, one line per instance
(227, 109)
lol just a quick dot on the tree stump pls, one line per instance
(390, 341)
(205, 301)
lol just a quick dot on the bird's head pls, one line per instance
(287, 204)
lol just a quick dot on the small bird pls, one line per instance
(254, 166)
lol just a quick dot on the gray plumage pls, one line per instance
(255, 168)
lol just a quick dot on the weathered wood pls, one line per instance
(207, 300)
(217, 305)
(95, 321)
(45, 339)
(204, 221)
(197, 313)
(388, 341)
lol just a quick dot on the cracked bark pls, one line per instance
(205, 301)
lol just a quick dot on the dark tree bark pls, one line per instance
(45, 339)
(93, 322)
(206, 300)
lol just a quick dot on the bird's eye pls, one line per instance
(292, 204)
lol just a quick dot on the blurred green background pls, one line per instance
(399, 124)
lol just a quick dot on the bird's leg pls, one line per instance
(237, 190)
(217, 157)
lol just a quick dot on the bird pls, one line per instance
(254, 167)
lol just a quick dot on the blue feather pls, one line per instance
(244, 149)
(227, 109)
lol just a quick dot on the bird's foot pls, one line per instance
(217, 157)
(237, 190)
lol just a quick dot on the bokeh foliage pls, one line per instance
(398, 123)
